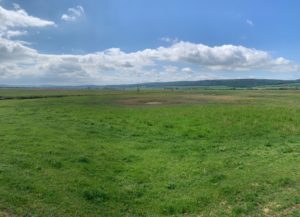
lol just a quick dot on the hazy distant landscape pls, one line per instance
(202, 84)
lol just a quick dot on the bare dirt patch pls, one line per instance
(181, 99)
(153, 103)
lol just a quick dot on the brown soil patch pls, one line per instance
(181, 99)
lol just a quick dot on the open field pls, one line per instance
(169, 153)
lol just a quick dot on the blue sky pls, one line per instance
(71, 41)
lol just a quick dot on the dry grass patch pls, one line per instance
(5, 214)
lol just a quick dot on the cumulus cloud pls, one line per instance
(220, 58)
(15, 33)
(73, 13)
(15, 52)
(20, 18)
(13, 21)
(116, 66)
(170, 69)
(187, 70)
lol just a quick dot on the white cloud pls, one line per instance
(187, 70)
(15, 33)
(250, 22)
(170, 69)
(13, 21)
(220, 58)
(20, 18)
(15, 52)
(73, 13)
(22, 64)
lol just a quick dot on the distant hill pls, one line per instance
(215, 84)
(229, 83)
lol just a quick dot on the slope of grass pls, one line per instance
(194, 154)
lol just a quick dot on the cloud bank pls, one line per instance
(20, 62)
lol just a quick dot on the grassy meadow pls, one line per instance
(153, 153)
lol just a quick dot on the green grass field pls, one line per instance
(182, 153)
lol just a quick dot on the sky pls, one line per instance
(79, 42)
